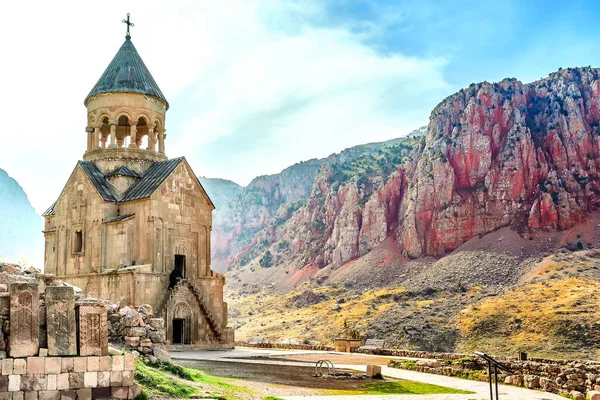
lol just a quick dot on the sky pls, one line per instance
(256, 86)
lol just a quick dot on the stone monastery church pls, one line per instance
(132, 225)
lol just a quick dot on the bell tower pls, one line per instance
(126, 113)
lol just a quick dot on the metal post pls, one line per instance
(490, 380)
(496, 378)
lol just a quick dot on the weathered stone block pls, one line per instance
(129, 317)
(80, 364)
(18, 395)
(60, 321)
(134, 391)
(593, 395)
(135, 331)
(93, 333)
(84, 394)
(116, 378)
(373, 370)
(26, 383)
(101, 393)
(24, 320)
(62, 381)
(14, 383)
(120, 392)
(52, 365)
(157, 323)
(19, 366)
(118, 363)
(51, 381)
(105, 363)
(31, 395)
(68, 395)
(66, 364)
(35, 365)
(146, 343)
(43, 352)
(39, 382)
(3, 383)
(76, 380)
(49, 395)
(161, 354)
(90, 379)
(129, 362)
(157, 336)
(93, 364)
(7, 366)
(133, 341)
(127, 379)
(5, 396)
(104, 379)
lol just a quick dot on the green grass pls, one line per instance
(157, 382)
(408, 387)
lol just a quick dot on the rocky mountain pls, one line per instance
(493, 155)
(220, 191)
(482, 233)
(20, 226)
(269, 201)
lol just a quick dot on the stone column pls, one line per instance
(151, 139)
(113, 135)
(96, 137)
(161, 142)
(89, 138)
(133, 135)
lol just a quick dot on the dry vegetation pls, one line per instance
(551, 312)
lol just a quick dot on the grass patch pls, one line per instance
(157, 382)
(409, 387)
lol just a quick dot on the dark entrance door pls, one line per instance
(178, 331)
(180, 264)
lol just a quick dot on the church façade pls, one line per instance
(132, 225)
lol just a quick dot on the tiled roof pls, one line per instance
(49, 211)
(118, 218)
(151, 180)
(147, 183)
(127, 73)
(124, 171)
(100, 183)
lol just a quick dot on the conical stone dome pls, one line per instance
(127, 73)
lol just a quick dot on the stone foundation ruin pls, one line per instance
(54, 343)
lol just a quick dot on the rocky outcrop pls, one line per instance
(493, 155)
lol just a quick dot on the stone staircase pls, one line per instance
(161, 309)
(214, 324)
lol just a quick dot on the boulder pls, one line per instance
(161, 354)
(129, 317)
(157, 323)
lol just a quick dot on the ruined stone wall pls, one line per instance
(54, 342)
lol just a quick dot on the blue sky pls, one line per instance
(256, 86)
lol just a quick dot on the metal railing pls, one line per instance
(493, 367)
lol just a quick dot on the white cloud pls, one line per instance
(241, 71)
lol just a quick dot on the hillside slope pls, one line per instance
(505, 175)
(20, 226)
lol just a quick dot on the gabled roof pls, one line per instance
(100, 183)
(151, 180)
(123, 171)
(127, 73)
(147, 183)
(49, 211)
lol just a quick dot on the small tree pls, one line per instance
(266, 259)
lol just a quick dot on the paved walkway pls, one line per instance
(481, 389)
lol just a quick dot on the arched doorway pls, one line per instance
(181, 324)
